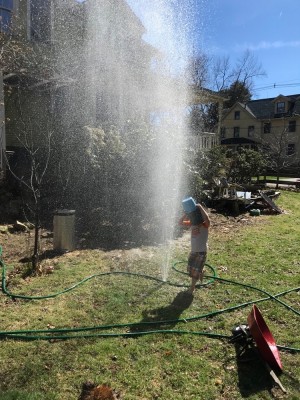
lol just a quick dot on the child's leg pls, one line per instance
(201, 276)
(201, 265)
(193, 285)
(195, 266)
(191, 271)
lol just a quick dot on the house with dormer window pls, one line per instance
(258, 122)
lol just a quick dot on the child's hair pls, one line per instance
(196, 217)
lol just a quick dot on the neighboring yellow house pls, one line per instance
(264, 122)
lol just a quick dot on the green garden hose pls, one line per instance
(20, 296)
(84, 332)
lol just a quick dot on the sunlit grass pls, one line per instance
(264, 255)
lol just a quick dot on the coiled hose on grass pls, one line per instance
(93, 331)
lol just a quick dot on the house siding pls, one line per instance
(33, 109)
(123, 61)
(256, 114)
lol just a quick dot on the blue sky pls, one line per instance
(268, 28)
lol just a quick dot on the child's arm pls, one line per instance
(206, 220)
(184, 221)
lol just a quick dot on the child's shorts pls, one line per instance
(196, 263)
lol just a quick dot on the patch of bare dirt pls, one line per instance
(223, 224)
(17, 246)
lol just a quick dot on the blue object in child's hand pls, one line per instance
(189, 205)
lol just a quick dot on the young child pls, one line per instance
(198, 220)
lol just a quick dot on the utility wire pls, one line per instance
(277, 85)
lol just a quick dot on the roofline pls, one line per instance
(241, 105)
(274, 98)
(208, 95)
(245, 106)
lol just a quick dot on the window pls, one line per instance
(250, 130)
(40, 20)
(290, 149)
(280, 107)
(292, 126)
(236, 115)
(223, 132)
(236, 132)
(267, 127)
(6, 8)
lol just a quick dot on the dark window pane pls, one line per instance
(280, 107)
(8, 4)
(5, 19)
(40, 19)
(292, 126)
(267, 127)
(250, 130)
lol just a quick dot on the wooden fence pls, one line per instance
(290, 182)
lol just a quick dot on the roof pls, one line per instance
(240, 140)
(264, 108)
(202, 95)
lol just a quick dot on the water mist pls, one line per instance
(142, 82)
(171, 92)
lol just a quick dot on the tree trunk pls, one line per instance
(35, 256)
(277, 180)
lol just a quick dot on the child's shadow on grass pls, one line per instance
(164, 317)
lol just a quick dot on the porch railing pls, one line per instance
(204, 140)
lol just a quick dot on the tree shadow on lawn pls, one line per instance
(164, 317)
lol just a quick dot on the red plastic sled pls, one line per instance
(264, 339)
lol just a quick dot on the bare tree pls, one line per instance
(20, 61)
(197, 75)
(197, 71)
(235, 82)
(30, 172)
(278, 151)
(221, 75)
(246, 69)
(19, 57)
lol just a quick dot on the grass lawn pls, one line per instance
(159, 343)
